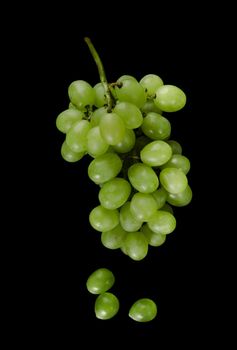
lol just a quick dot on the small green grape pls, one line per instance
(143, 310)
(106, 306)
(100, 281)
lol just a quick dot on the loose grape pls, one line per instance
(127, 220)
(69, 155)
(136, 245)
(81, 94)
(112, 128)
(175, 146)
(156, 153)
(106, 306)
(153, 239)
(173, 180)
(113, 239)
(104, 168)
(131, 114)
(96, 146)
(156, 127)
(162, 222)
(102, 219)
(178, 161)
(143, 206)
(180, 199)
(170, 98)
(67, 118)
(76, 137)
(143, 310)
(114, 193)
(151, 82)
(100, 281)
(143, 178)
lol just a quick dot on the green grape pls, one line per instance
(173, 180)
(143, 310)
(96, 146)
(104, 168)
(81, 94)
(167, 207)
(170, 98)
(113, 239)
(100, 98)
(176, 147)
(131, 91)
(180, 199)
(126, 77)
(127, 142)
(151, 83)
(143, 178)
(67, 118)
(131, 114)
(69, 155)
(160, 196)
(143, 206)
(102, 219)
(106, 306)
(96, 116)
(71, 106)
(123, 250)
(153, 239)
(112, 128)
(114, 193)
(128, 222)
(156, 127)
(156, 153)
(150, 106)
(178, 161)
(162, 222)
(136, 245)
(100, 281)
(76, 137)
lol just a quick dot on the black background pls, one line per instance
(59, 248)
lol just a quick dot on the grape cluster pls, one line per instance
(140, 171)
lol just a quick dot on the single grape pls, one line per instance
(167, 207)
(113, 239)
(143, 310)
(102, 219)
(170, 98)
(180, 199)
(131, 91)
(143, 178)
(160, 196)
(150, 106)
(126, 77)
(162, 222)
(175, 146)
(106, 306)
(153, 239)
(131, 114)
(127, 142)
(136, 245)
(76, 137)
(81, 94)
(104, 168)
(112, 128)
(96, 146)
(156, 153)
(114, 193)
(69, 155)
(173, 180)
(100, 281)
(156, 127)
(67, 118)
(178, 161)
(96, 116)
(100, 99)
(151, 82)
(143, 206)
(127, 220)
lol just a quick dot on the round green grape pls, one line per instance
(143, 310)
(170, 98)
(127, 220)
(69, 155)
(131, 114)
(96, 116)
(112, 128)
(162, 222)
(104, 168)
(100, 99)
(81, 94)
(143, 206)
(153, 239)
(180, 199)
(131, 91)
(143, 178)
(76, 137)
(150, 106)
(114, 193)
(102, 219)
(173, 180)
(136, 245)
(100, 281)
(175, 146)
(106, 306)
(96, 145)
(156, 127)
(151, 82)
(127, 142)
(113, 239)
(178, 161)
(156, 153)
(66, 119)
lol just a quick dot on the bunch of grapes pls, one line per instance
(140, 171)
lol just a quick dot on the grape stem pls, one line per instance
(102, 74)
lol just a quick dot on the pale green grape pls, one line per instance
(100, 99)
(114, 193)
(128, 222)
(127, 142)
(104, 168)
(162, 222)
(96, 146)
(131, 114)
(156, 153)
(100, 281)
(113, 239)
(102, 219)
(81, 94)
(76, 137)
(112, 128)
(180, 199)
(167, 207)
(143, 310)
(170, 98)
(67, 118)
(160, 196)
(69, 155)
(151, 82)
(143, 206)
(173, 180)
(156, 127)
(126, 77)
(153, 239)
(96, 116)
(178, 161)
(106, 306)
(136, 245)
(143, 178)
(150, 106)
(131, 91)
(176, 147)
